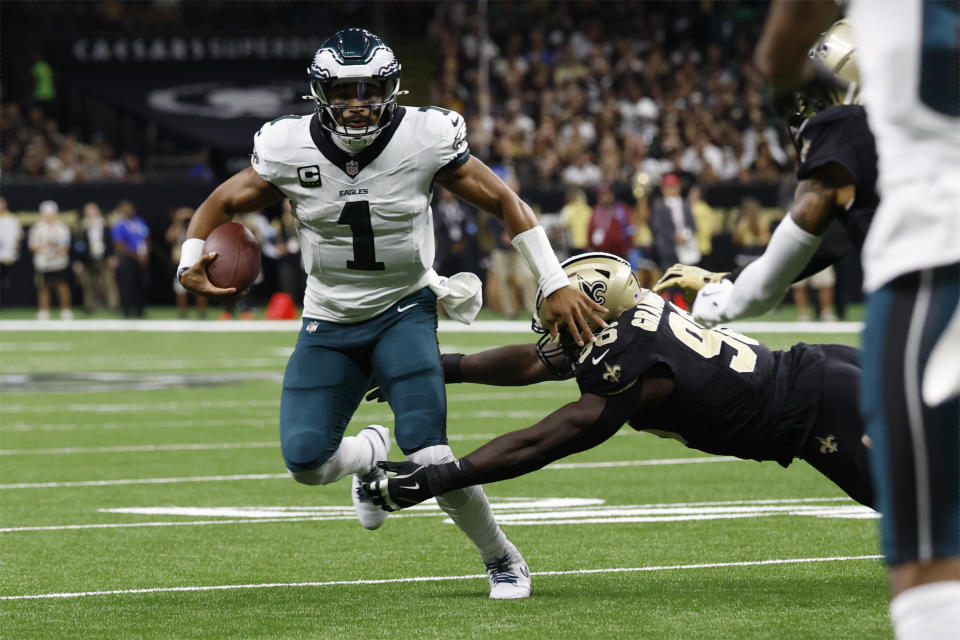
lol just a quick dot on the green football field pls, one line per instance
(143, 495)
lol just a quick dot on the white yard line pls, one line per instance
(293, 326)
(518, 510)
(275, 476)
(415, 579)
(560, 392)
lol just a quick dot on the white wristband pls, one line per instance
(190, 253)
(533, 245)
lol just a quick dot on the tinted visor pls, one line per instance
(367, 90)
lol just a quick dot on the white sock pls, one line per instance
(468, 507)
(927, 612)
(355, 455)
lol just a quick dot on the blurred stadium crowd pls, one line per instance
(634, 128)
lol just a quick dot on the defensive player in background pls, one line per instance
(910, 65)
(359, 174)
(654, 367)
(837, 174)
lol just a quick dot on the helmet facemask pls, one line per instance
(354, 109)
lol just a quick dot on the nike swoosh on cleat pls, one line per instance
(599, 357)
(405, 307)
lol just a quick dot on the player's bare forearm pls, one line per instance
(574, 427)
(509, 366)
(475, 183)
(819, 198)
(241, 193)
(791, 29)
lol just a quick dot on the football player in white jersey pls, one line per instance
(909, 66)
(359, 175)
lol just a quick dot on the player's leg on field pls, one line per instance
(322, 388)
(835, 445)
(406, 360)
(915, 461)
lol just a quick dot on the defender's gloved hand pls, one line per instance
(408, 487)
(690, 279)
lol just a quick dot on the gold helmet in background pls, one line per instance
(608, 280)
(835, 54)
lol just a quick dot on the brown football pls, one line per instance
(237, 263)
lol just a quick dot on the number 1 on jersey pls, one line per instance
(356, 215)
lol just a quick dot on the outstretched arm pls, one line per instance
(764, 282)
(574, 427)
(509, 366)
(475, 183)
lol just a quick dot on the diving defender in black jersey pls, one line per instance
(657, 369)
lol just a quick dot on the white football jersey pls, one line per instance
(911, 98)
(363, 220)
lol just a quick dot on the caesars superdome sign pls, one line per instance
(193, 49)
(215, 90)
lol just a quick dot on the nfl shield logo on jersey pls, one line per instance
(352, 168)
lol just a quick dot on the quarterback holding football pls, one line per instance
(359, 174)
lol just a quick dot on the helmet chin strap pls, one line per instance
(352, 144)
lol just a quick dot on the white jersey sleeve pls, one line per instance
(447, 132)
(272, 145)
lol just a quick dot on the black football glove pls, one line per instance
(414, 483)
(407, 488)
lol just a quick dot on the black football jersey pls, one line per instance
(731, 396)
(840, 134)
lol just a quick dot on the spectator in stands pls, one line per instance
(131, 242)
(49, 240)
(751, 232)
(611, 227)
(583, 172)
(455, 228)
(576, 214)
(175, 235)
(823, 282)
(506, 272)
(703, 217)
(11, 236)
(643, 254)
(44, 90)
(93, 261)
(674, 229)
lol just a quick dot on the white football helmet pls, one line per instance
(353, 65)
(608, 280)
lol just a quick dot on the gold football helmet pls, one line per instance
(608, 280)
(835, 53)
